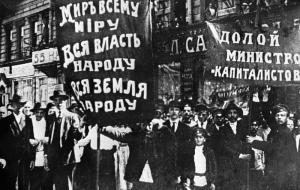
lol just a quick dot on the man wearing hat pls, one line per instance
(235, 150)
(280, 150)
(187, 116)
(177, 145)
(13, 145)
(38, 135)
(203, 116)
(63, 127)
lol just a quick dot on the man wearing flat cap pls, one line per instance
(177, 147)
(13, 145)
(280, 150)
(63, 127)
(235, 150)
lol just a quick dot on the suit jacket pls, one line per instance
(13, 143)
(235, 144)
(68, 131)
(178, 148)
(214, 140)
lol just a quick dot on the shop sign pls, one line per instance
(260, 57)
(15, 71)
(105, 50)
(174, 42)
(45, 56)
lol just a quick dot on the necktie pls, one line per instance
(173, 126)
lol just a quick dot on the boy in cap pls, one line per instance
(280, 150)
(203, 165)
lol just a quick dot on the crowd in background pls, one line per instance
(184, 146)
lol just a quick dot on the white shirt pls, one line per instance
(200, 167)
(202, 125)
(39, 130)
(176, 124)
(20, 118)
(233, 127)
(297, 138)
(259, 157)
(106, 143)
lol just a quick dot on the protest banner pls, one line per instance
(245, 54)
(105, 51)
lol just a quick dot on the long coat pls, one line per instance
(142, 146)
(281, 155)
(177, 149)
(68, 131)
(14, 146)
(234, 169)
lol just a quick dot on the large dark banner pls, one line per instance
(105, 50)
(244, 54)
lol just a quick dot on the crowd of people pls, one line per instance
(182, 147)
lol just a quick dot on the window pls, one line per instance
(163, 14)
(226, 7)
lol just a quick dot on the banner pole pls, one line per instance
(98, 159)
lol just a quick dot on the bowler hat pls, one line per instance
(201, 107)
(174, 103)
(18, 99)
(59, 94)
(37, 106)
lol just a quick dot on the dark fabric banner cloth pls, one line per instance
(238, 52)
(105, 51)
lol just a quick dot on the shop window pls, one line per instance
(169, 82)
(43, 91)
(24, 88)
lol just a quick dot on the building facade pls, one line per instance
(28, 56)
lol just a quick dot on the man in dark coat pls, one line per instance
(236, 152)
(214, 142)
(13, 144)
(176, 142)
(280, 152)
(63, 129)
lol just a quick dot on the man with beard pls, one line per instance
(236, 152)
(280, 152)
